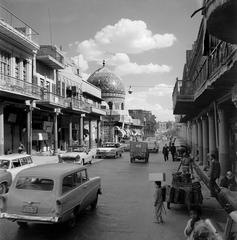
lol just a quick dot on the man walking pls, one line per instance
(165, 152)
(173, 151)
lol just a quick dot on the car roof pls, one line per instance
(53, 170)
(13, 156)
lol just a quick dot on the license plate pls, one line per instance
(29, 209)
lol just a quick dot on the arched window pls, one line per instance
(110, 105)
(122, 106)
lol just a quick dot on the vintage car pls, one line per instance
(77, 154)
(125, 145)
(50, 193)
(153, 145)
(15, 162)
(5, 181)
(109, 149)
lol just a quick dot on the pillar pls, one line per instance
(98, 133)
(70, 131)
(55, 133)
(225, 162)
(194, 138)
(200, 139)
(90, 134)
(1, 129)
(205, 140)
(29, 129)
(211, 133)
(81, 124)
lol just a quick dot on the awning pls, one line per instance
(39, 136)
(120, 130)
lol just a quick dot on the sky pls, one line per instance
(143, 42)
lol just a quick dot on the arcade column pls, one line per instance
(1, 129)
(200, 139)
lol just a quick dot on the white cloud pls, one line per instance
(157, 99)
(81, 62)
(125, 36)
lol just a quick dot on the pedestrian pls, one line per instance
(165, 152)
(229, 181)
(173, 151)
(158, 204)
(194, 213)
(21, 148)
(215, 170)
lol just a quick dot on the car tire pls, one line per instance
(115, 156)
(71, 223)
(94, 203)
(131, 160)
(22, 225)
(3, 188)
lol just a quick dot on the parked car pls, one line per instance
(77, 154)
(139, 150)
(5, 181)
(125, 144)
(50, 193)
(153, 145)
(109, 149)
(14, 163)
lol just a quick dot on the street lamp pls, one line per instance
(110, 120)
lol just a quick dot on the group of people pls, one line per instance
(166, 149)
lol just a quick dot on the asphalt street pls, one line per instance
(125, 209)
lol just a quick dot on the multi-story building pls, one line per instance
(18, 47)
(206, 96)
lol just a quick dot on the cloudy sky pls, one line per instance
(143, 42)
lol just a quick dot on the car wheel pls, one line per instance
(71, 223)
(3, 188)
(94, 203)
(22, 224)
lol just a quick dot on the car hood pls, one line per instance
(72, 154)
(106, 149)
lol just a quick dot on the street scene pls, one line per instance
(118, 119)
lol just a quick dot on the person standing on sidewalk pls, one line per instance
(215, 170)
(158, 204)
(165, 152)
(173, 151)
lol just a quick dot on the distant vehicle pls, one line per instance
(15, 162)
(77, 154)
(50, 193)
(125, 144)
(109, 149)
(153, 145)
(5, 181)
(139, 150)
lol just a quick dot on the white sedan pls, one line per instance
(77, 154)
(109, 149)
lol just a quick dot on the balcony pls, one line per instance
(98, 111)
(18, 89)
(182, 97)
(17, 32)
(78, 105)
(53, 100)
(91, 91)
(222, 19)
(51, 56)
(217, 73)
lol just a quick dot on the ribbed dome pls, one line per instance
(107, 81)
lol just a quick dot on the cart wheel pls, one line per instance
(131, 160)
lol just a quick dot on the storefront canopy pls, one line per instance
(120, 130)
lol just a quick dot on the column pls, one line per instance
(29, 129)
(55, 133)
(98, 133)
(90, 134)
(194, 138)
(205, 140)
(211, 133)
(1, 129)
(81, 124)
(199, 126)
(223, 143)
(70, 131)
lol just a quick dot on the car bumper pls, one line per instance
(38, 219)
(108, 154)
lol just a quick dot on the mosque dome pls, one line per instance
(107, 81)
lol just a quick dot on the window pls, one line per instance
(16, 163)
(17, 68)
(5, 63)
(24, 70)
(68, 183)
(63, 89)
(24, 161)
(81, 177)
(4, 164)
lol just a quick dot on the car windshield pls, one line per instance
(35, 183)
(4, 164)
(76, 149)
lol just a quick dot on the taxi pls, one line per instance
(50, 193)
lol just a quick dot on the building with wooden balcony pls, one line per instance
(18, 47)
(206, 100)
(221, 19)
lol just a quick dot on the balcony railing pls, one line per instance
(53, 99)
(10, 19)
(51, 51)
(213, 63)
(79, 105)
(17, 86)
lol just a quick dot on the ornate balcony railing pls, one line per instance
(213, 64)
(17, 86)
(9, 19)
(53, 99)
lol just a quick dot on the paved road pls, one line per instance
(125, 209)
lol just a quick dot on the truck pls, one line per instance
(139, 151)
